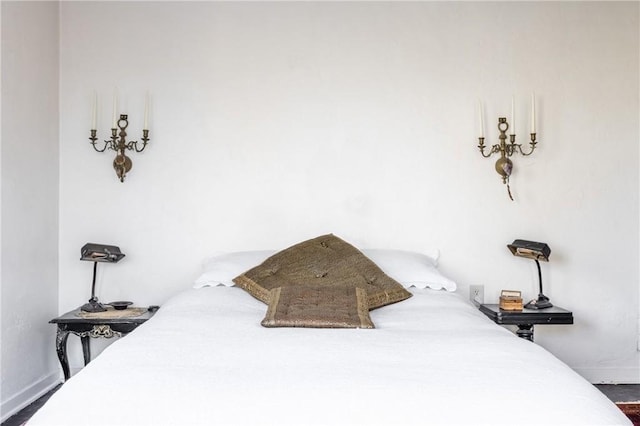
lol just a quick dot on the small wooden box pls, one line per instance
(510, 300)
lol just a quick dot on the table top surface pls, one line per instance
(553, 315)
(74, 317)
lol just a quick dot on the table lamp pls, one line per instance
(98, 253)
(536, 251)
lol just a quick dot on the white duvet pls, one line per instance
(433, 359)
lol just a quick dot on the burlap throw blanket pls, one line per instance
(323, 282)
(308, 306)
(111, 313)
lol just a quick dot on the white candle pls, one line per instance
(115, 110)
(146, 112)
(533, 113)
(513, 115)
(481, 121)
(93, 111)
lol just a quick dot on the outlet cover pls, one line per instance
(476, 294)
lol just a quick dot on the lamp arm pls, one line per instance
(539, 275)
(93, 283)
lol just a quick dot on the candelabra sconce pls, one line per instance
(504, 165)
(118, 142)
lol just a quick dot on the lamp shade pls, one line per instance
(100, 253)
(530, 249)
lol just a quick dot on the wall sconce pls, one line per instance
(504, 165)
(118, 142)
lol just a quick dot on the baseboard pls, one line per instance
(18, 401)
(610, 375)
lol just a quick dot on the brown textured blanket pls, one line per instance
(322, 282)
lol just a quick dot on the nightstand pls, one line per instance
(526, 318)
(96, 324)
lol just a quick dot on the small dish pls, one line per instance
(120, 305)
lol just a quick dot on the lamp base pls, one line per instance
(542, 302)
(93, 306)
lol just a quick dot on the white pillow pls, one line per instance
(411, 269)
(224, 268)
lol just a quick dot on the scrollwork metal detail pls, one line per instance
(102, 330)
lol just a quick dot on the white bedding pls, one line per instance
(433, 359)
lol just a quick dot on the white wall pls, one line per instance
(275, 122)
(29, 201)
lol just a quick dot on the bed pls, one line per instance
(205, 359)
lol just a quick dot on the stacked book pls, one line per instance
(510, 300)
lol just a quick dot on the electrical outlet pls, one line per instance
(476, 294)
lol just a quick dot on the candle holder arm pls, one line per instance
(533, 144)
(482, 146)
(107, 144)
(133, 145)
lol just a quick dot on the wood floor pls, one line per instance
(26, 413)
(616, 393)
(621, 393)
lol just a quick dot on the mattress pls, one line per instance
(204, 359)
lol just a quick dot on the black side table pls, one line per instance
(96, 324)
(526, 318)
